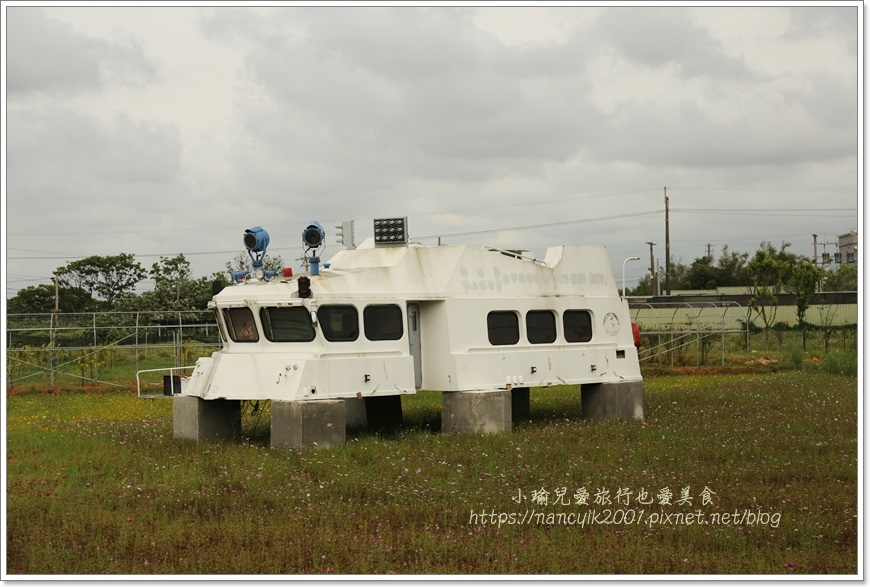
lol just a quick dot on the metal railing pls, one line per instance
(676, 326)
(58, 345)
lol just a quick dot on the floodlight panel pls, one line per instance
(391, 231)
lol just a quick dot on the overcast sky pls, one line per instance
(160, 130)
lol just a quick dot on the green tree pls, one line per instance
(679, 277)
(843, 278)
(731, 268)
(40, 299)
(767, 270)
(702, 274)
(805, 280)
(174, 289)
(108, 277)
(643, 287)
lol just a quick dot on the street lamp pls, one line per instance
(623, 272)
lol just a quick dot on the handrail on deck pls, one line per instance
(171, 372)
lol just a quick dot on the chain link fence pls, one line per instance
(109, 348)
(685, 333)
(103, 347)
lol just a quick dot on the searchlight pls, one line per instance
(313, 237)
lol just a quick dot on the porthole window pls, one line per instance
(541, 326)
(383, 322)
(503, 328)
(578, 325)
(291, 324)
(339, 323)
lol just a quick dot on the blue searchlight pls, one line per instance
(256, 240)
(313, 238)
(313, 235)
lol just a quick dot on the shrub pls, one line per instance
(839, 363)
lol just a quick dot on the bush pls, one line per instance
(795, 358)
(838, 363)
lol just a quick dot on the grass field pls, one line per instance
(96, 484)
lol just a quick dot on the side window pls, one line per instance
(240, 322)
(541, 326)
(383, 322)
(578, 325)
(339, 323)
(503, 328)
(287, 324)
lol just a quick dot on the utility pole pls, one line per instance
(54, 316)
(815, 249)
(654, 281)
(667, 246)
(710, 250)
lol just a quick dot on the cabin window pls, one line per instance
(291, 324)
(578, 325)
(339, 323)
(541, 326)
(503, 328)
(383, 322)
(240, 322)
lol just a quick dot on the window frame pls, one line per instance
(391, 335)
(566, 330)
(267, 322)
(502, 327)
(325, 325)
(233, 331)
(552, 333)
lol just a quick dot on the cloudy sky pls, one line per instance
(161, 130)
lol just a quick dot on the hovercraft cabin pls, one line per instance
(341, 343)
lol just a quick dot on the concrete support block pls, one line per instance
(355, 413)
(475, 412)
(384, 411)
(520, 404)
(199, 419)
(304, 424)
(621, 401)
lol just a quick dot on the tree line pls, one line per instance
(766, 275)
(734, 269)
(108, 283)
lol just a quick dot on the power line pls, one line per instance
(136, 255)
(547, 225)
(818, 212)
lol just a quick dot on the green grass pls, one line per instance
(96, 484)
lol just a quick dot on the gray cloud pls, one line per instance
(661, 37)
(45, 55)
(346, 113)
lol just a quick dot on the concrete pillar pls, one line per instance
(476, 412)
(199, 419)
(621, 401)
(355, 413)
(520, 404)
(304, 424)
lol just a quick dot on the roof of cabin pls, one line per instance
(439, 271)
